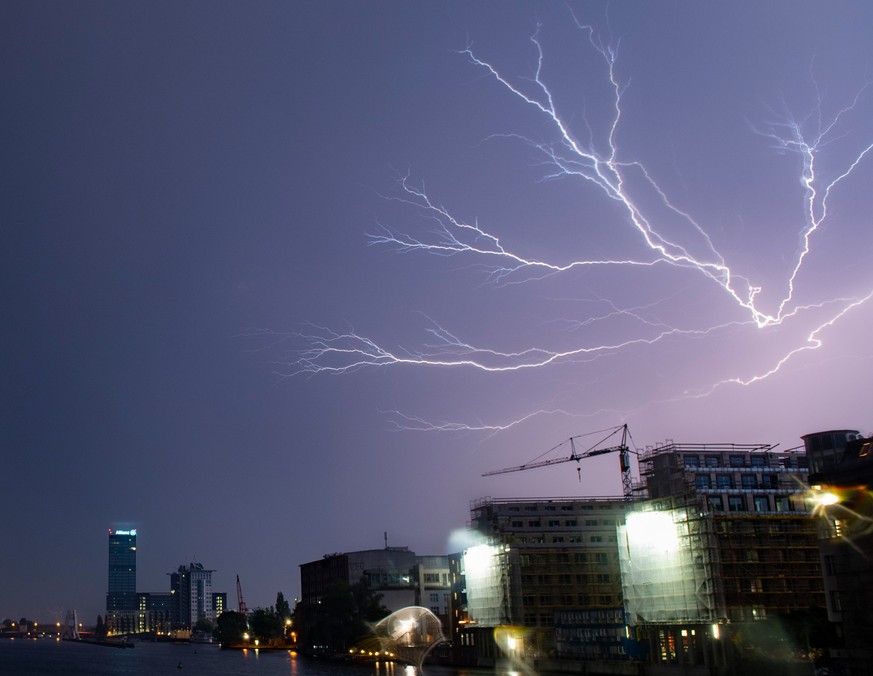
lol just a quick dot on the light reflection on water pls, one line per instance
(51, 658)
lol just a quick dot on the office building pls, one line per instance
(191, 587)
(397, 574)
(121, 599)
(219, 603)
(155, 612)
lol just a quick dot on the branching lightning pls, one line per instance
(601, 163)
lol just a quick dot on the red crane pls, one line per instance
(239, 597)
(622, 450)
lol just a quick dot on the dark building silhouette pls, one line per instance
(841, 471)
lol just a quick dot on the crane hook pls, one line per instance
(579, 473)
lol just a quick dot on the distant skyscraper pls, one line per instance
(192, 590)
(121, 599)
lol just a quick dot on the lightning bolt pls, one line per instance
(597, 162)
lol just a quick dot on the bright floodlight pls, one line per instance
(655, 530)
(826, 499)
(479, 560)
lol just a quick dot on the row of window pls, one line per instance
(578, 557)
(566, 578)
(760, 503)
(556, 523)
(561, 539)
(564, 600)
(752, 460)
(747, 481)
(563, 508)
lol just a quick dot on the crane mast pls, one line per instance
(576, 456)
(239, 598)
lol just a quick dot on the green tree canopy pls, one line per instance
(283, 609)
(265, 625)
(230, 627)
(203, 625)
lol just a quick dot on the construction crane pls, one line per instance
(622, 450)
(239, 598)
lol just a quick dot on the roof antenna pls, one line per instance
(386, 539)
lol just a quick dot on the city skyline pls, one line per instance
(280, 279)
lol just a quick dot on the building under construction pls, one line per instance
(718, 538)
(543, 562)
(723, 539)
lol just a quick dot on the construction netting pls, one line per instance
(667, 561)
(486, 570)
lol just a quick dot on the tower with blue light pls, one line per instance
(121, 599)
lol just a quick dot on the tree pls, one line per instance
(203, 625)
(265, 625)
(283, 609)
(230, 627)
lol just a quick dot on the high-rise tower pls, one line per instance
(121, 600)
(192, 592)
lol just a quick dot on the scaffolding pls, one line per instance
(669, 561)
(486, 571)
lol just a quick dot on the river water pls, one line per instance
(48, 657)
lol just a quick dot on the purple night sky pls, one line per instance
(280, 277)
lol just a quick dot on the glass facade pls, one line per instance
(121, 593)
